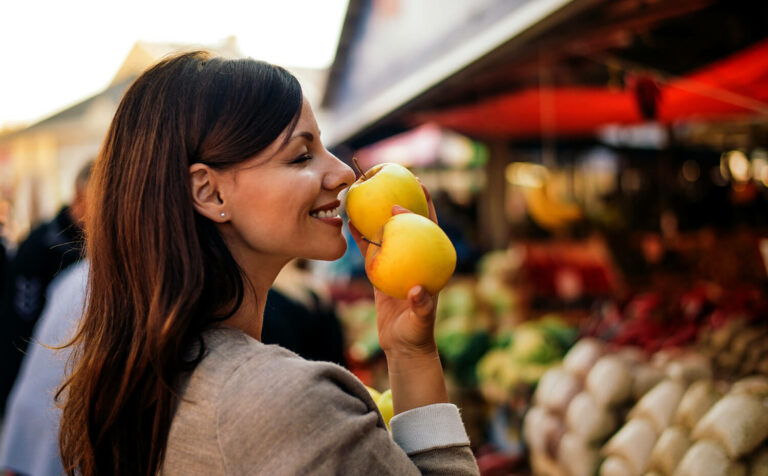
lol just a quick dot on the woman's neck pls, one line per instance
(257, 281)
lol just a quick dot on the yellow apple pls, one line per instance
(370, 199)
(410, 250)
(374, 393)
(385, 406)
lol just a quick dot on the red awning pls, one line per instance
(734, 87)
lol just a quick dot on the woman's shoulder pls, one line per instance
(246, 397)
(250, 372)
(268, 408)
(227, 346)
(276, 406)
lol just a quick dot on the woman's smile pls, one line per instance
(328, 213)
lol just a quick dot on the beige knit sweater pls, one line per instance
(250, 408)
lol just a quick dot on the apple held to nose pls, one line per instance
(410, 250)
(370, 199)
(407, 249)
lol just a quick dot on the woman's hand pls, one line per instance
(407, 336)
(406, 326)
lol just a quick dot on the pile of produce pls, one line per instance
(621, 413)
(495, 293)
(461, 330)
(578, 405)
(522, 355)
(655, 320)
(705, 429)
(568, 271)
(359, 321)
(648, 321)
(479, 335)
(737, 348)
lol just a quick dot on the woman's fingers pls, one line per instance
(421, 303)
(432, 212)
(358, 237)
(397, 210)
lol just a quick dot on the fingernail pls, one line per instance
(421, 295)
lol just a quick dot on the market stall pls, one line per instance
(608, 183)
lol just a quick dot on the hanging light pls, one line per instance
(738, 165)
(525, 174)
(691, 170)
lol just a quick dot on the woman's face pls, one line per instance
(284, 202)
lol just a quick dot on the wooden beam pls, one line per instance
(492, 218)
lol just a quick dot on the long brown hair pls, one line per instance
(160, 273)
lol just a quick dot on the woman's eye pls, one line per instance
(301, 159)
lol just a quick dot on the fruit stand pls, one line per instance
(608, 313)
(573, 352)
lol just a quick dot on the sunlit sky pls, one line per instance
(54, 53)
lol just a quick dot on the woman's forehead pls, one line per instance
(305, 130)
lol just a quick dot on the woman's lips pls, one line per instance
(336, 221)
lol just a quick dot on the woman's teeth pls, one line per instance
(326, 213)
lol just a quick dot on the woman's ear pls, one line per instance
(206, 195)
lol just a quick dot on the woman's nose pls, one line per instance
(341, 175)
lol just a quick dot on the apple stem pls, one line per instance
(371, 242)
(357, 166)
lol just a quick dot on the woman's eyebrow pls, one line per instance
(305, 134)
(308, 136)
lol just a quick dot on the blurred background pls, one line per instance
(600, 165)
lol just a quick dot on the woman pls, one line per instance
(211, 179)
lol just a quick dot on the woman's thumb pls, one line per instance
(421, 302)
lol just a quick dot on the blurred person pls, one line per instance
(300, 316)
(457, 222)
(211, 179)
(49, 249)
(29, 437)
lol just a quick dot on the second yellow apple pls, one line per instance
(410, 250)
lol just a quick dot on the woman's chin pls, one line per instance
(332, 253)
(339, 253)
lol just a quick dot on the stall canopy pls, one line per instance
(425, 146)
(734, 87)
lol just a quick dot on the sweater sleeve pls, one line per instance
(290, 416)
